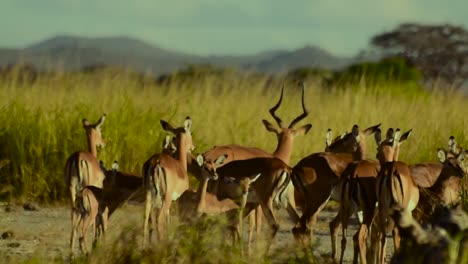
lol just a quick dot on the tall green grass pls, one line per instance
(40, 122)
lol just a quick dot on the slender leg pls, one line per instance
(148, 208)
(334, 225)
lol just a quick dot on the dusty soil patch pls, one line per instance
(46, 233)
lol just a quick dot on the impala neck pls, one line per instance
(360, 153)
(202, 195)
(92, 146)
(440, 183)
(182, 151)
(284, 149)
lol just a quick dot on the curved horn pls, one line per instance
(304, 114)
(274, 108)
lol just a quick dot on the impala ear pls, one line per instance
(115, 166)
(371, 129)
(405, 136)
(270, 127)
(441, 155)
(328, 137)
(389, 136)
(396, 137)
(166, 126)
(302, 130)
(167, 141)
(101, 120)
(252, 180)
(85, 122)
(220, 160)
(343, 135)
(200, 160)
(378, 136)
(452, 143)
(461, 157)
(355, 131)
(188, 124)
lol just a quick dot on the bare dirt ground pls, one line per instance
(45, 233)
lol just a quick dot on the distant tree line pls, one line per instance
(439, 52)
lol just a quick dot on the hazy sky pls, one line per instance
(223, 27)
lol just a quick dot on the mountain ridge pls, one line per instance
(73, 53)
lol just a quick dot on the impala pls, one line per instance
(82, 168)
(396, 191)
(270, 187)
(316, 176)
(425, 174)
(285, 136)
(192, 204)
(165, 177)
(447, 188)
(359, 194)
(89, 209)
(95, 205)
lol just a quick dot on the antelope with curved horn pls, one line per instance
(285, 136)
(166, 178)
(358, 193)
(316, 176)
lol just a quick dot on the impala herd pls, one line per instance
(240, 181)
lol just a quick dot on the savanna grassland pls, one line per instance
(41, 126)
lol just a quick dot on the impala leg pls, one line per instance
(75, 216)
(148, 208)
(292, 213)
(86, 223)
(363, 231)
(356, 246)
(334, 225)
(258, 221)
(267, 208)
(396, 238)
(105, 222)
(252, 219)
(153, 219)
(383, 242)
(162, 217)
(343, 239)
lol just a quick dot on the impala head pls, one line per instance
(183, 135)
(110, 174)
(389, 149)
(454, 163)
(209, 167)
(352, 142)
(93, 131)
(169, 145)
(287, 134)
(454, 149)
(244, 184)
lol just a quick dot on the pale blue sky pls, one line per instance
(223, 27)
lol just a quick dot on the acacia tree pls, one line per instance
(440, 52)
